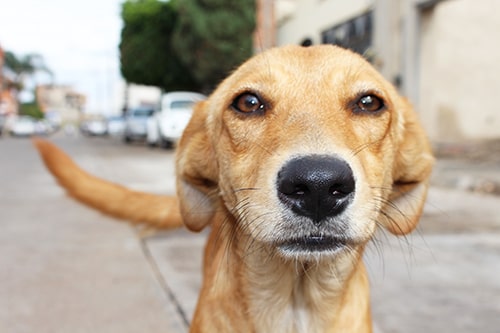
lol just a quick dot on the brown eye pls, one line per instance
(248, 103)
(370, 103)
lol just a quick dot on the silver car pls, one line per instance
(136, 123)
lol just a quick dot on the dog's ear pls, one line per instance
(411, 173)
(197, 171)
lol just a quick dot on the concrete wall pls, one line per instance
(459, 80)
(133, 95)
(302, 19)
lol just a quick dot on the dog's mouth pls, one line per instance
(313, 244)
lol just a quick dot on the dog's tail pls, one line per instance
(159, 211)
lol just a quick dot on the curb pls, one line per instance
(472, 166)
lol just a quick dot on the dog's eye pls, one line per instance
(369, 103)
(248, 103)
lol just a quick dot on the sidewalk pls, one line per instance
(469, 166)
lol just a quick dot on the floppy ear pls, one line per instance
(411, 173)
(197, 171)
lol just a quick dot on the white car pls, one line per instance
(116, 125)
(23, 126)
(93, 127)
(166, 126)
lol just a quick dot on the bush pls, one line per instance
(31, 109)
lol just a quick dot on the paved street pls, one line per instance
(66, 268)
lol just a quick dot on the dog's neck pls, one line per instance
(292, 296)
(249, 288)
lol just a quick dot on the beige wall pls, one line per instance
(459, 88)
(301, 19)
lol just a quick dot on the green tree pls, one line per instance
(212, 37)
(31, 109)
(146, 55)
(24, 67)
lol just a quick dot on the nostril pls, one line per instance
(335, 191)
(291, 185)
(342, 189)
(299, 190)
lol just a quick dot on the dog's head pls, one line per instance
(309, 149)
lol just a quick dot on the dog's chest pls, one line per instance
(291, 305)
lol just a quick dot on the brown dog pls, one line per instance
(294, 161)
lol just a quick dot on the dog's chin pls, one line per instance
(313, 247)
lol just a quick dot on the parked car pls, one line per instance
(136, 123)
(94, 126)
(23, 126)
(166, 126)
(43, 127)
(116, 125)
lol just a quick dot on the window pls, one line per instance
(355, 34)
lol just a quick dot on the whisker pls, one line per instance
(265, 149)
(243, 189)
(363, 146)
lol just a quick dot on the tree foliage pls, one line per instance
(31, 109)
(185, 44)
(146, 55)
(214, 36)
(24, 66)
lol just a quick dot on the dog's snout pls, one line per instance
(316, 186)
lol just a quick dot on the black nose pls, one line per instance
(316, 186)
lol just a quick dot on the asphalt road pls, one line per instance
(66, 268)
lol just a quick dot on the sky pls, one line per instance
(78, 40)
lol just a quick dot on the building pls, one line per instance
(134, 95)
(442, 54)
(2, 61)
(60, 102)
(8, 103)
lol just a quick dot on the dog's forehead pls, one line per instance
(322, 64)
(313, 56)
